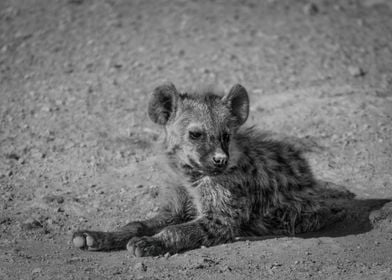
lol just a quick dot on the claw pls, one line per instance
(89, 240)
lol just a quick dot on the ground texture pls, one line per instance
(76, 145)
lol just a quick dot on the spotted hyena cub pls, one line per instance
(229, 181)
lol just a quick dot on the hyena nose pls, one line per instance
(220, 160)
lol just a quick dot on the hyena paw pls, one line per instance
(89, 240)
(146, 246)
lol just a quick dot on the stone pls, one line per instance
(356, 71)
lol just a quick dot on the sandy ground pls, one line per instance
(76, 145)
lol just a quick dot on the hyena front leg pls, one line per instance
(101, 241)
(179, 209)
(186, 236)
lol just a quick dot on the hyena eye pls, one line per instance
(195, 135)
(226, 137)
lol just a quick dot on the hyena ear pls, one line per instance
(163, 103)
(238, 101)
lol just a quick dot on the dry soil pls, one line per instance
(76, 145)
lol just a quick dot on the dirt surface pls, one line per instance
(76, 145)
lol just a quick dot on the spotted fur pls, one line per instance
(227, 181)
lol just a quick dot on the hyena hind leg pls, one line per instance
(309, 217)
(324, 216)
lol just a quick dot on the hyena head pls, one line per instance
(200, 126)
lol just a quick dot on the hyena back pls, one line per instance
(230, 181)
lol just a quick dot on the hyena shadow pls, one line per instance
(361, 215)
(359, 218)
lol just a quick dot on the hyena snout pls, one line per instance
(220, 159)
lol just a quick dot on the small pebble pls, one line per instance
(140, 267)
(37, 154)
(310, 9)
(258, 91)
(275, 264)
(13, 156)
(45, 108)
(225, 268)
(5, 220)
(356, 71)
(53, 198)
(36, 270)
(30, 224)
